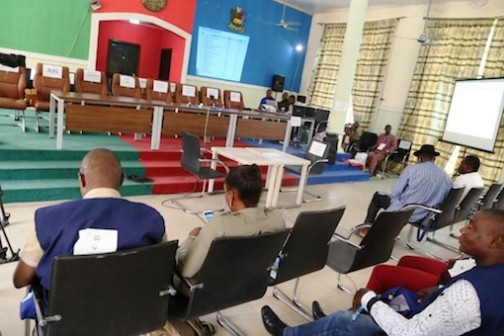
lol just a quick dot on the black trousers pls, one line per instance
(378, 202)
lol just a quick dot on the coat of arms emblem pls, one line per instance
(237, 20)
(154, 5)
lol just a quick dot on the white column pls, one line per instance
(348, 64)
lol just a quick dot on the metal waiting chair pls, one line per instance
(375, 248)
(235, 271)
(121, 293)
(317, 152)
(499, 202)
(304, 252)
(191, 161)
(399, 156)
(366, 141)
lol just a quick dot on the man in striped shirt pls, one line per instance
(423, 183)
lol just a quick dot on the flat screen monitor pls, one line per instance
(321, 115)
(309, 112)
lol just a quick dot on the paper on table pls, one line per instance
(94, 241)
(295, 121)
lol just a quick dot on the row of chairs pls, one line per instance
(52, 77)
(134, 299)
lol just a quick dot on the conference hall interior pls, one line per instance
(141, 77)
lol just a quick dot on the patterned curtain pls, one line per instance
(371, 65)
(454, 51)
(326, 71)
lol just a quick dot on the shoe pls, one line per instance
(317, 311)
(272, 323)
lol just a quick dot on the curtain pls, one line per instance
(323, 83)
(371, 65)
(454, 50)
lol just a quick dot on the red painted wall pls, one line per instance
(151, 41)
(148, 38)
(176, 43)
(177, 12)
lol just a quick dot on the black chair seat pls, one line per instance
(207, 173)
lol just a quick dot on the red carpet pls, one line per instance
(163, 166)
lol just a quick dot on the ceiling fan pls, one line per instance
(289, 25)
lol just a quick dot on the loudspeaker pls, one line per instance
(278, 83)
(332, 139)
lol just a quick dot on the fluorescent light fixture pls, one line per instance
(299, 47)
(134, 21)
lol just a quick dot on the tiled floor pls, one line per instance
(317, 286)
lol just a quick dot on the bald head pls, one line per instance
(100, 168)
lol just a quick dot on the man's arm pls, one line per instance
(456, 312)
(24, 275)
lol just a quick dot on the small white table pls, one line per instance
(274, 159)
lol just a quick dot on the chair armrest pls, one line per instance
(187, 282)
(226, 168)
(345, 240)
(421, 206)
(356, 228)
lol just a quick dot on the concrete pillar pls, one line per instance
(348, 64)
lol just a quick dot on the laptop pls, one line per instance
(272, 103)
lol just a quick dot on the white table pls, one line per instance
(274, 159)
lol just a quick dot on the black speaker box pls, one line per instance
(332, 139)
(278, 83)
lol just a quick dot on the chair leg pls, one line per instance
(230, 327)
(293, 303)
(176, 201)
(340, 286)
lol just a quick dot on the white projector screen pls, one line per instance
(475, 113)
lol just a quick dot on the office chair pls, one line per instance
(12, 87)
(304, 252)
(120, 293)
(125, 86)
(233, 100)
(89, 81)
(375, 248)
(186, 94)
(317, 152)
(191, 161)
(159, 90)
(210, 96)
(47, 78)
(235, 271)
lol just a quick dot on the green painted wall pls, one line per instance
(46, 26)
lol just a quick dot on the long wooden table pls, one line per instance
(96, 113)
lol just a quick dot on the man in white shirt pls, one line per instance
(470, 304)
(469, 177)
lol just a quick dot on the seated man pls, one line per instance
(283, 105)
(469, 304)
(385, 144)
(352, 134)
(58, 228)
(423, 183)
(268, 97)
(468, 177)
(243, 187)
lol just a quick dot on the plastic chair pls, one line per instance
(376, 247)
(121, 293)
(191, 161)
(304, 252)
(235, 271)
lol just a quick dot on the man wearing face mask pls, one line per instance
(243, 187)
